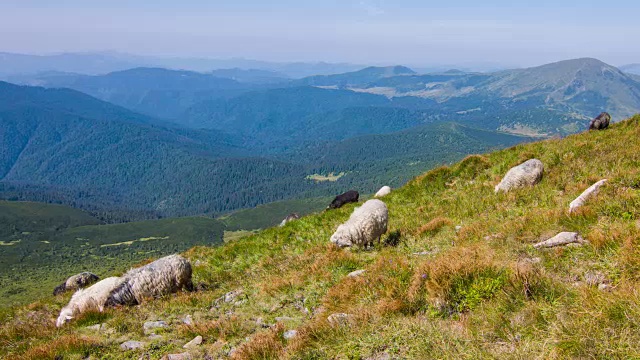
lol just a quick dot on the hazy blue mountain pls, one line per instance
(93, 63)
(84, 63)
(252, 76)
(158, 92)
(631, 68)
(357, 78)
(291, 116)
(584, 86)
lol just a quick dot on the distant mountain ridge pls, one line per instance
(95, 63)
(631, 68)
(586, 86)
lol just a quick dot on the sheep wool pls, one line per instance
(591, 191)
(385, 190)
(92, 298)
(528, 173)
(365, 224)
(161, 277)
(76, 282)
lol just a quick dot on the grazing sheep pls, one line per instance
(289, 218)
(527, 173)
(563, 238)
(366, 223)
(348, 197)
(161, 277)
(385, 190)
(75, 282)
(601, 122)
(92, 298)
(591, 191)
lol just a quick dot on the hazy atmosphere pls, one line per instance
(411, 32)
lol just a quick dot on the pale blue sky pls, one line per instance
(412, 32)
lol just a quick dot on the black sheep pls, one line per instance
(601, 122)
(348, 197)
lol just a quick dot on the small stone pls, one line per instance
(356, 273)
(604, 287)
(187, 320)
(193, 343)
(458, 228)
(339, 319)
(290, 334)
(131, 345)
(181, 356)
(96, 327)
(151, 325)
(232, 295)
(380, 356)
(594, 278)
(284, 318)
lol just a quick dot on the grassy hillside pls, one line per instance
(478, 291)
(267, 215)
(41, 245)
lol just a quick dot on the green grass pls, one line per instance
(264, 216)
(480, 291)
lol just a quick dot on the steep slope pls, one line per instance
(479, 290)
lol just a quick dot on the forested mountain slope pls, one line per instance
(66, 147)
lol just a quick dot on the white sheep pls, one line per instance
(365, 224)
(92, 298)
(591, 191)
(528, 173)
(385, 190)
(161, 277)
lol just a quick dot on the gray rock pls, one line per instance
(290, 334)
(594, 278)
(97, 327)
(152, 325)
(604, 287)
(284, 318)
(131, 345)
(232, 295)
(193, 343)
(181, 356)
(340, 319)
(562, 239)
(458, 228)
(187, 320)
(379, 356)
(356, 273)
